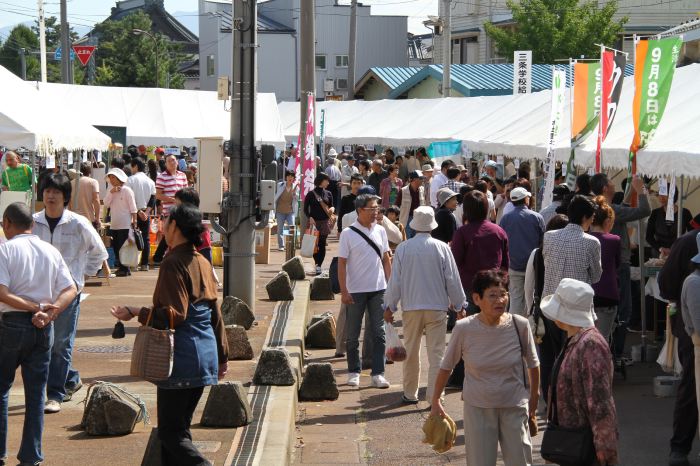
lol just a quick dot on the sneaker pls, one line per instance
(353, 379)
(70, 391)
(318, 270)
(52, 406)
(378, 381)
(281, 248)
(677, 458)
(101, 274)
(408, 401)
(144, 268)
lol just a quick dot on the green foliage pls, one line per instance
(129, 60)
(21, 37)
(52, 31)
(557, 29)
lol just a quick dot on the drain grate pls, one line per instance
(104, 349)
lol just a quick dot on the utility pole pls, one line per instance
(447, 48)
(352, 50)
(42, 40)
(66, 65)
(307, 33)
(240, 270)
(23, 63)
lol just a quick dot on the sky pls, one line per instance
(82, 14)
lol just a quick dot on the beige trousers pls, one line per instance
(415, 323)
(485, 428)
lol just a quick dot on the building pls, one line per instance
(381, 41)
(164, 24)
(471, 80)
(470, 44)
(690, 31)
(420, 49)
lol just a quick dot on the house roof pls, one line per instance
(265, 24)
(690, 30)
(163, 22)
(391, 77)
(484, 79)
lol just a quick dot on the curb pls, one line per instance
(270, 438)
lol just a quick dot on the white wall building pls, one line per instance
(470, 44)
(381, 41)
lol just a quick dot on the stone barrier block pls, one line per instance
(274, 368)
(295, 268)
(237, 312)
(227, 406)
(321, 289)
(280, 288)
(321, 332)
(238, 345)
(319, 383)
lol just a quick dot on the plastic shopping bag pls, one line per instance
(129, 255)
(395, 350)
(668, 357)
(309, 242)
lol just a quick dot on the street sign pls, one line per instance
(57, 54)
(84, 52)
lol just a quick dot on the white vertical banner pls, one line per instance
(669, 195)
(555, 126)
(522, 72)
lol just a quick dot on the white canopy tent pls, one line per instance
(517, 126)
(28, 120)
(163, 116)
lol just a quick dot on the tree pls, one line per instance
(52, 31)
(557, 29)
(128, 60)
(21, 37)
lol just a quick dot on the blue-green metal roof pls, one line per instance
(484, 79)
(394, 76)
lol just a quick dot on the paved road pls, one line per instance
(371, 426)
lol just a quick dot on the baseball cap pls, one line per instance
(415, 174)
(518, 194)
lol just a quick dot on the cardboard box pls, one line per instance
(262, 246)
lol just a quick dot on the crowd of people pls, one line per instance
(539, 303)
(46, 257)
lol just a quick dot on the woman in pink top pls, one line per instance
(390, 187)
(122, 206)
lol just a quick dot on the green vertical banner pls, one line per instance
(655, 64)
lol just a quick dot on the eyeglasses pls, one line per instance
(370, 208)
(496, 296)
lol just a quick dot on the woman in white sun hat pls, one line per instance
(581, 388)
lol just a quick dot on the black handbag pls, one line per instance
(333, 275)
(138, 239)
(561, 445)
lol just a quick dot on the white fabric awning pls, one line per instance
(28, 120)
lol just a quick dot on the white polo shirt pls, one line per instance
(32, 269)
(364, 271)
(143, 188)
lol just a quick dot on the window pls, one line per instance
(341, 61)
(210, 66)
(320, 62)
(341, 83)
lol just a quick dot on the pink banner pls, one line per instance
(306, 169)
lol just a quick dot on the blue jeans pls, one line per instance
(371, 301)
(624, 310)
(62, 375)
(410, 233)
(23, 345)
(281, 220)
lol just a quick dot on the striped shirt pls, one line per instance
(170, 184)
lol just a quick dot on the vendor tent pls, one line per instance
(28, 120)
(163, 116)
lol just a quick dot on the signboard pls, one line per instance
(58, 56)
(84, 53)
(556, 118)
(522, 72)
(117, 133)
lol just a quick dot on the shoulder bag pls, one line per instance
(532, 418)
(535, 316)
(333, 270)
(369, 241)
(331, 216)
(561, 445)
(152, 356)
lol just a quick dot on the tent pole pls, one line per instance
(679, 222)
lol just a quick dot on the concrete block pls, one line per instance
(109, 412)
(319, 383)
(321, 332)
(227, 406)
(295, 268)
(238, 345)
(274, 368)
(280, 288)
(236, 312)
(321, 289)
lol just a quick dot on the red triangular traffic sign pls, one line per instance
(84, 52)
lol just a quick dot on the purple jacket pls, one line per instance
(479, 246)
(607, 292)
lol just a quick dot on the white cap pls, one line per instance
(519, 193)
(571, 303)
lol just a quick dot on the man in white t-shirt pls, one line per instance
(439, 181)
(144, 189)
(35, 287)
(364, 266)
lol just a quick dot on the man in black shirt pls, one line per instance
(378, 174)
(685, 412)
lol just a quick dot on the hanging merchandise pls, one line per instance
(669, 203)
(556, 119)
(655, 64)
